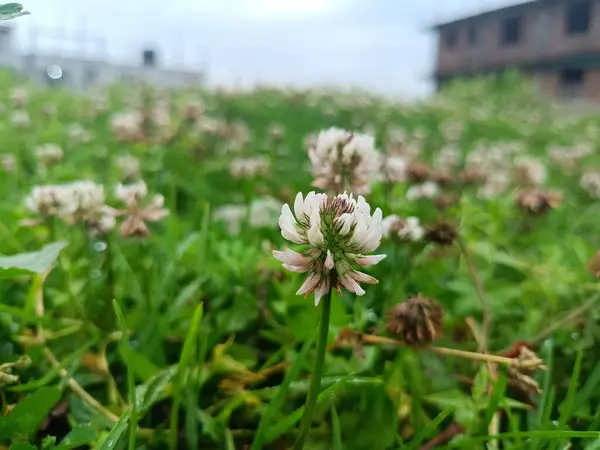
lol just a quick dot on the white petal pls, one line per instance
(366, 261)
(329, 263)
(314, 234)
(299, 206)
(289, 229)
(346, 220)
(291, 257)
(296, 269)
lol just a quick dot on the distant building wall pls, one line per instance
(79, 73)
(544, 46)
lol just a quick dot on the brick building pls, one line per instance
(555, 42)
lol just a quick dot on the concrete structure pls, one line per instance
(556, 42)
(82, 72)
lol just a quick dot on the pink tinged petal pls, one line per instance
(315, 237)
(366, 261)
(321, 290)
(296, 269)
(350, 284)
(309, 284)
(291, 257)
(361, 277)
(329, 263)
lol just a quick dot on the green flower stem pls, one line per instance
(315, 382)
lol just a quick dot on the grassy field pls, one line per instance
(144, 303)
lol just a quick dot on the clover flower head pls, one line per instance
(341, 159)
(339, 232)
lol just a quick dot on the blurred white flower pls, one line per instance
(395, 168)
(428, 189)
(20, 119)
(48, 154)
(232, 215)
(129, 193)
(129, 166)
(127, 126)
(264, 212)
(8, 162)
(193, 109)
(248, 167)
(19, 97)
(496, 183)
(339, 232)
(76, 202)
(342, 160)
(406, 229)
(447, 158)
(77, 134)
(590, 181)
(530, 171)
(569, 159)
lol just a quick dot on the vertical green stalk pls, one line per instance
(315, 382)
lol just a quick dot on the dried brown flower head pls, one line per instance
(594, 265)
(442, 177)
(444, 201)
(471, 177)
(441, 233)
(527, 363)
(137, 212)
(418, 172)
(417, 320)
(537, 201)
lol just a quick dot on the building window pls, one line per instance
(473, 35)
(571, 83)
(510, 31)
(577, 17)
(450, 38)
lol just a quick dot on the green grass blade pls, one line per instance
(185, 361)
(275, 404)
(124, 344)
(429, 429)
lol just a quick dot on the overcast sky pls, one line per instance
(381, 45)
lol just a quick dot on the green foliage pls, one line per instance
(184, 332)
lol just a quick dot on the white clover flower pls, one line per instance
(341, 159)
(48, 154)
(339, 233)
(50, 201)
(409, 229)
(428, 189)
(76, 202)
